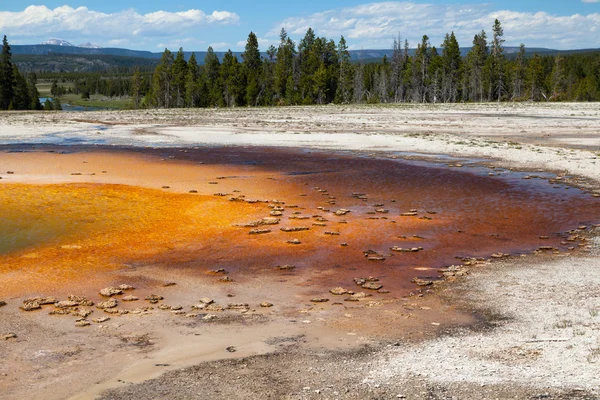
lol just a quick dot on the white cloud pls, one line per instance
(220, 46)
(66, 21)
(590, 1)
(374, 25)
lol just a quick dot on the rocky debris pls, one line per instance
(259, 231)
(500, 255)
(61, 311)
(105, 305)
(177, 308)
(130, 298)
(199, 306)
(421, 282)
(286, 267)
(142, 310)
(357, 296)
(41, 300)
(66, 304)
(238, 306)
(30, 306)
(83, 312)
(209, 317)
(266, 304)
(269, 221)
(193, 191)
(219, 271)
(546, 248)
(319, 300)
(125, 286)
(332, 233)
(164, 307)
(167, 284)
(382, 211)
(344, 244)
(178, 312)
(371, 285)
(153, 298)
(454, 270)
(116, 311)
(293, 241)
(191, 315)
(82, 323)
(214, 307)
(225, 279)
(231, 349)
(319, 224)
(338, 291)
(206, 300)
(9, 336)
(302, 217)
(2, 303)
(276, 213)
(376, 258)
(341, 211)
(295, 229)
(100, 320)
(82, 300)
(110, 291)
(409, 214)
(406, 250)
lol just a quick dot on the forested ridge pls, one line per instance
(317, 70)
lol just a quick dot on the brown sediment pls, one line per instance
(64, 230)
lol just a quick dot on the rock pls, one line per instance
(125, 287)
(231, 349)
(110, 291)
(259, 231)
(30, 306)
(382, 211)
(199, 306)
(376, 258)
(276, 213)
(371, 285)
(116, 311)
(422, 282)
(104, 305)
(153, 298)
(206, 300)
(341, 211)
(286, 267)
(191, 315)
(294, 241)
(2, 303)
(332, 233)
(295, 229)
(82, 323)
(61, 311)
(41, 300)
(66, 304)
(219, 271)
(225, 279)
(164, 307)
(269, 221)
(178, 312)
(338, 291)
(9, 336)
(545, 248)
(167, 284)
(100, 320)
(83, 313)
(409, 214)
(82, 300)
(319, 300)
(130, 298)
(213, 308)
(176, 308)
(209, 317)
(266, 304)
(238, 306)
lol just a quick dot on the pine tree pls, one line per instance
(535, 78)
(497, 73)
(6, 76)
(518, 78)
(346, 75)
(192, 84)
(476, 60)
(252, 69)
(34, 95)
(179, 72)
(212, 70)
(162, 81)
(136, 88)
(452, 66)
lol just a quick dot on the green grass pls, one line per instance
(97, 101)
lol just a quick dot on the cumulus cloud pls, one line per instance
(374, 25)
(66, 21)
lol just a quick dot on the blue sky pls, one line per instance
(194, 25)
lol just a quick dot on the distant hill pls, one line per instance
(86, 58)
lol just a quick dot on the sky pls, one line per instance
(195, 25)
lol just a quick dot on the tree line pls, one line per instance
(17, 91)
(319, 71)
